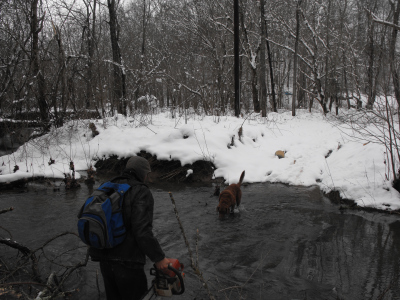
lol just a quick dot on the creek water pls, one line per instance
(284, 242)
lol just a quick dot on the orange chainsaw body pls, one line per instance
(169, 282)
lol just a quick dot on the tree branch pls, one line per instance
(379, 21)
(6, 210)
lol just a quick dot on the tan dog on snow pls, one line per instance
(229, 197)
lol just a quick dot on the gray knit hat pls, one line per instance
(139, 165)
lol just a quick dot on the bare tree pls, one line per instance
(392, 50)
(91, 40)
(250, 50)
(263, 89)
(119, 85)
(296, 51)
(271, 68)
(370, 70)
(236, 55)
(36, 23)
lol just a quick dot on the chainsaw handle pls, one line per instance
(180, 279)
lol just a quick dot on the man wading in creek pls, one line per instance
(122, 267)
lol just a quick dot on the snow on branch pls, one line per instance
(291, 50)
(315, 35)
(184, 86)
(380, 21)
(293, 35)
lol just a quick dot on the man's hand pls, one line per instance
(163, 264)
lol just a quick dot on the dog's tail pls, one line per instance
(241, 178)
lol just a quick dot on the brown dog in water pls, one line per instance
(229, 197)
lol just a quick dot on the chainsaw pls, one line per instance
(168, 282)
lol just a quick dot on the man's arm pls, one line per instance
(141, 221)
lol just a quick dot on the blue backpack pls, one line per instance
(101, 223)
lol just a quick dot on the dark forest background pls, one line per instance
(101, 56)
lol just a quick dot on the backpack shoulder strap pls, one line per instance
(119, 187)
(132, 183)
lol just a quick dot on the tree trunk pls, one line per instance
(328, 86)
(273, 101)
(91, 35)
(392, 48)
(301, 94)
(36, 28)
(370, 70)
(142, 55)
(252, 65)
(61, 77)
(264, 31)
(296, 50)
(345, 82)
(119, 93)
(236, 56)
(263, 88)
(254, 90)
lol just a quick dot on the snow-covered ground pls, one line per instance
(318, 152)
